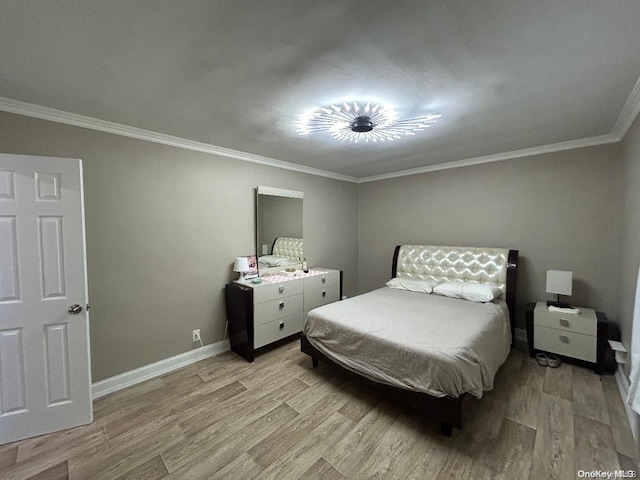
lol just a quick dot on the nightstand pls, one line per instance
(579, 337)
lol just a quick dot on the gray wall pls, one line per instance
(163, 228)
(164, 225)
(559, 210)
(630, 231)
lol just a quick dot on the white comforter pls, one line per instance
(422, 342)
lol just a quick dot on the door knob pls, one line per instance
(75, 309)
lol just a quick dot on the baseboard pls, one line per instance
(521, 335)
(623, 387)
(133, 377)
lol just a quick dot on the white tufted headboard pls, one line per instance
(494, 266)
(472, 264)
(288, 247)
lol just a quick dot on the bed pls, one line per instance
(285, 252)
(430, 349)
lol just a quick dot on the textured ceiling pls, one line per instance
(505, 75)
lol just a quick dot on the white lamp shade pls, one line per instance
(241, 264)
(559, 282)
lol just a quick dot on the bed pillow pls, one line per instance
(412, 284)
(474, 292)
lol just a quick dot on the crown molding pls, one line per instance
(628, 114)
(498, 157)
(60, 116)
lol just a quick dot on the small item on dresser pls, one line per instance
(305, 266)
(256, 280)
(570, 311)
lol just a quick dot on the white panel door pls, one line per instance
(45, 380)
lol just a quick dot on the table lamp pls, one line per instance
(241, 265)
(559, 282)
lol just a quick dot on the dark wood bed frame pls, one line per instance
(447, 410)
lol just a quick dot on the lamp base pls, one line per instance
(557, 304)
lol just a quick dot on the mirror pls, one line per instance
(278, 217)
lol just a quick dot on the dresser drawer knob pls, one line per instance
(281, 289)
(281, 325)
(564, 323)
(281, 305)
(324, 280)
(324, 294)
(564, 338)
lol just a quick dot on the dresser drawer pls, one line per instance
(272, 331)
(321, 296)
(585, 323)
(575, 345)
(318, 281)
(277, 309)
(265, 293)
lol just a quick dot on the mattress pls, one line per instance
(421, 342)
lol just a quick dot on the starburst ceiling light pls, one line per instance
(366, 122)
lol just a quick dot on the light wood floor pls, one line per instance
(279, 418)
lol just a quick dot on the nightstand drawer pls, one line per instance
(321, 296)
(272, 331)
(585, 323)
(319, 281)
(265, 293)
(575, 345)
(276, 309)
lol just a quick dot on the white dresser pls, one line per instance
(260, 314)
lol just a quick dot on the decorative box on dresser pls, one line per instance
(263, 313)
(581, 337)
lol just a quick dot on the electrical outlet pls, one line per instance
(195, 335)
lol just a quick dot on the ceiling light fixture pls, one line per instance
(355, 121)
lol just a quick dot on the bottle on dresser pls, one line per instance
(305, 266)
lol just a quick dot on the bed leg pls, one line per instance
(314, 362)
(446, 429)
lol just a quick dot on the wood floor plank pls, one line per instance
(221, 443)
(622, 436)
(358, 444)
(302, 422)
(152, 469)
(553, 452)
(510, 455)
(588, 396)
(65, 442)
(243, 467)
(461, 466)
(8, 456)
(277, 444)
(559, 381)
(429, 454)
(59, 471)
(594, 447)
(524, 402)
(390, 455)
(253, 402)
(123, 453)
(309, 450)
(321, 470)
